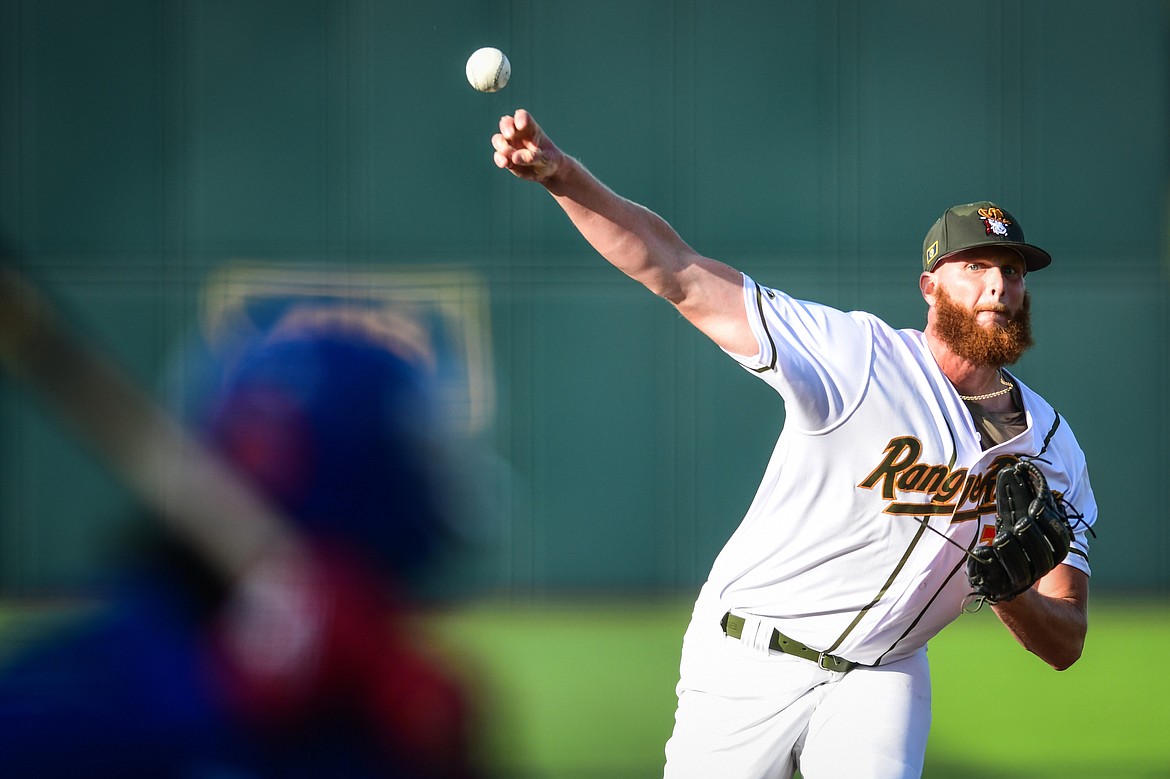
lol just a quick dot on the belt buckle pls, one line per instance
(830, 662)
(834, 663)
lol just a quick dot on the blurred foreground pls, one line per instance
(584, 690)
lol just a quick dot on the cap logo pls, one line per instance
(932, 252)
(994, 221)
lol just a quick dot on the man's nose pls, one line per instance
(995, 282)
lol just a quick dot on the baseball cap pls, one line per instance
(338, 431)
(978, 224)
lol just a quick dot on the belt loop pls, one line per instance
(732, 625)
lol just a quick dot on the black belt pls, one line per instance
(733, 626)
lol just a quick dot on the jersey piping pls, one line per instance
(898, 569)
(771, 364)
(926, 607)
(884, 589)
(826, 374)
(958, 566)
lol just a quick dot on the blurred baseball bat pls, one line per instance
(189, 488)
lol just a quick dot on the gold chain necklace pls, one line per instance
(1007, 387)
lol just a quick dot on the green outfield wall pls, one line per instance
(147, 147)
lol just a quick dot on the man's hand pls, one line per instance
(523, 148)
(1032, 535)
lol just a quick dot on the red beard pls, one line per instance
(991, 347)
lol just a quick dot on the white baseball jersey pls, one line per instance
(876, 442)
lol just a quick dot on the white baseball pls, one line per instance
(488, 69)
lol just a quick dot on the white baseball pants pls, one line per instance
(745, 712)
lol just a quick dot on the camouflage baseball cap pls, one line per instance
(978, 224)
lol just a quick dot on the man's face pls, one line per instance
(981, 310)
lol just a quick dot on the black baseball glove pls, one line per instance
(1032, 535)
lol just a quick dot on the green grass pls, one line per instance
(586, 691)
(574, 691)
(1001, 713)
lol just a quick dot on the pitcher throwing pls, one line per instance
(878, 520)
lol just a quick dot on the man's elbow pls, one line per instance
(1065, 660)
(1065, 655)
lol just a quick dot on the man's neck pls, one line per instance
(969, 379)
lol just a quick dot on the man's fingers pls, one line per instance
(524, 122)
(520, 128)
(514, 151)
(512, 159)
(520, 146)
(527, 157)
(508, 127)
(505, 152)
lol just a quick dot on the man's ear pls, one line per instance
(927, 285)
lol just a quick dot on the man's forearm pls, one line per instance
(1050, 620)
(631, 237)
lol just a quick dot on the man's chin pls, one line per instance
(992, 321)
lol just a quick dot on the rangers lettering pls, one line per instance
(923, 478)
(952, 485)
(979, 488)
(901, 472)
(900, 454)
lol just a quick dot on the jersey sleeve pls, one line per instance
(1063, 462)
(816, 357)
(1081, 505)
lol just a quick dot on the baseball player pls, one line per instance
(878, 520)
(305, 666)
